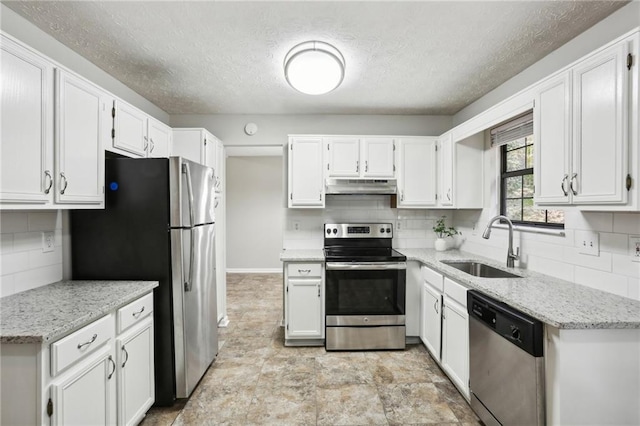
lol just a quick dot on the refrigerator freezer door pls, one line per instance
(195, 317)
(192, 188)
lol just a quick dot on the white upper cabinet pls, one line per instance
(378, 157)
(159, 135)
(130, 129)
(344, 157)
(306, 172)
(79, 149)
(445, 169)
(417, 172)
(581, 126)
(196, 145)
(360, 157)
(26, 113)
(460, 172)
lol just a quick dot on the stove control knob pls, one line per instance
(388, 230)
(515, 333)
(382, 230)
(335, 231)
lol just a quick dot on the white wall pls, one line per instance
(23, 265)
(255, 214)
(273, 128)
(618, 23)
(18, 27)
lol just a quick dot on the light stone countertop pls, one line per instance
(296, 255)
(556, 302)
(47, 313)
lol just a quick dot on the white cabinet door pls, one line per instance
(600, 133)
(306, 174)
(552, 132)
(304, 308)
(455, 344)
(85, 397)
(130, 125)
(79, 141)
(378, 158)
(136, 391)
(159, 139)
(344, 157)
(188, 144)
(445, 170)
(219, 168)
(26, 114)
(431, 324)
(417, 172)
(210, 141)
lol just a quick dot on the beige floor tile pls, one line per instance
(350, 405)
(283, 405)
(415, 403)
(335, 370)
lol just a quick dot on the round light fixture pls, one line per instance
(314, 67)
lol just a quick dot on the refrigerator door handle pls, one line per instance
(188, 285)
(185, 169)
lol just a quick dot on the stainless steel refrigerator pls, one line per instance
(159, 224)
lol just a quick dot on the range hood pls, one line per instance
(360, 186)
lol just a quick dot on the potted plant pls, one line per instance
(443, 232)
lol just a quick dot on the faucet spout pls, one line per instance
(511, 256)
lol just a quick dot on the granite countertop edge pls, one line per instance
(66, 326)
(570, 303)
(302, 255)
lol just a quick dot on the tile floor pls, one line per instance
(256, 380)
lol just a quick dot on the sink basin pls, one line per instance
(478, 269)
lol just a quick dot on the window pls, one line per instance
(517, 146)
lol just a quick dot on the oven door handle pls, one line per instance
(365, 266)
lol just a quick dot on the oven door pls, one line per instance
(366, 289)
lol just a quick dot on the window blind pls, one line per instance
(512, 130)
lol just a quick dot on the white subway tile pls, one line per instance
(540, 249)
(614, 243)
(14, 262)
(38, 277)
(11, 222)
(601, 263)
(7, 285)
(45, 221)
(38, 259)
(626, 223)
(551, 267)
(634, 288)
(588, 221)
(623, 265)
(611, 283)
(25, 241)
(6, 243)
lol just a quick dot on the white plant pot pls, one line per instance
(440, 244)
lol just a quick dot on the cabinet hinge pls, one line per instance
(103, 189)
(113, 112)
(629, 61)
(287, 326)
(327, 166)
(287, 289)
(436, 197)
(291, 147)
(436, 147)
(113, 133)
(328, 147)
(629, 182)
(291, 195)
(50, 408)
(394, 167)
(394, 146)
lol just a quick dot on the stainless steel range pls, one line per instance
(365, 287)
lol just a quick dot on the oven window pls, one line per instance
(365, 292)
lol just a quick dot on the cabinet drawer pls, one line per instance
(79, 344)
(304, 269)
(134, 312)
(456, 291)
(432, 277)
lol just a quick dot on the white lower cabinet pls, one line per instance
(431, 311)
(304, 301)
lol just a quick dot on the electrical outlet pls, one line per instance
(48, 242)
(634, 248)
(398, 225)
(296, 225)
(588, 243)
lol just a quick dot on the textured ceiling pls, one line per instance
(226, 57)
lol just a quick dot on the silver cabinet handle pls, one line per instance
(573, 178)
(137, 314)
(562, 185)
(93, 339)
(318, 290)
(366, 166)
(114, 367)
(47, 175)
(215, 204)
(435, 306)
(304, 271)
(443, 315)
(146, 143)
(449, 194)
(126, 354)
(357, 165)
(153, 145)
(63, 178)
(402, 195)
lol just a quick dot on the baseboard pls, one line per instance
(254, 270)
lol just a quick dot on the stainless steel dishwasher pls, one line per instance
(506, 363)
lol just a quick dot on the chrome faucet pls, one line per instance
(510, 255)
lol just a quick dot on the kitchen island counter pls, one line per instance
(46, 313)
(556, 302)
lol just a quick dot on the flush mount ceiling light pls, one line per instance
(314, 67)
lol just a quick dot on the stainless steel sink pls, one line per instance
(478, 269)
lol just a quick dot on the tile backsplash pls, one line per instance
(24, 265)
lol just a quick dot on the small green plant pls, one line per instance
(442, 231)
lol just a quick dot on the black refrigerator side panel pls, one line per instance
(130, 240)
